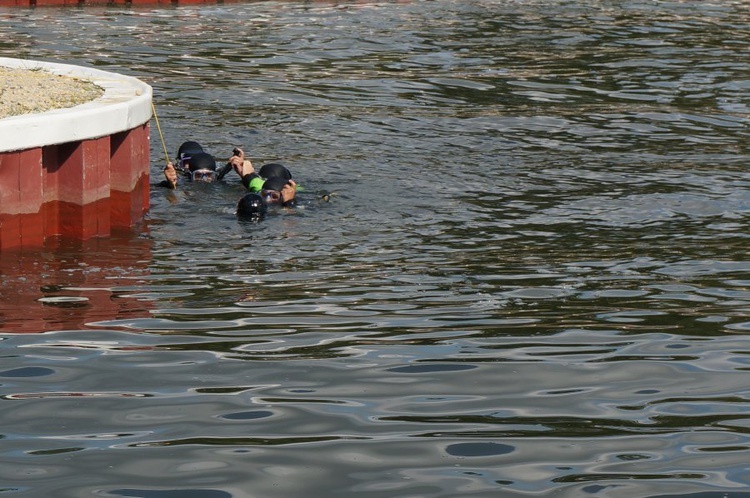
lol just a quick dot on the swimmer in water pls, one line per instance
(279, 190)
(193, 163)
(252, 207)
(273, 181)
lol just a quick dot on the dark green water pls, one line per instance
(532, 280)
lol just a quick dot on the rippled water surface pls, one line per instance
(532, 278)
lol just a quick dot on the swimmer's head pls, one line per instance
(202, 167)
(189, 146)
(186, 151)
(251, 207)
(271, 170)
(271, 190)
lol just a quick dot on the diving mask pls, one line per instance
(204, 175)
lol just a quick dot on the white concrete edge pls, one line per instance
(126, 104)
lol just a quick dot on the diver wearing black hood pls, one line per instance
(273, 181)
(272, 184)
(279, 190)
(252, 207)
(193, 163)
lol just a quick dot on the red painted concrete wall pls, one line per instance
(79, 189)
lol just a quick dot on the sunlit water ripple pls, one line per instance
(531, 280)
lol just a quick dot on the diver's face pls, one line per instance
(286, 194)
(203, 175)
(271, 196)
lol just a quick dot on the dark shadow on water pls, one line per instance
(171, 493)
(431, 368)
(708, 494)
(479, 449)
(27, 372)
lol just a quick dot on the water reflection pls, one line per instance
(68, 284)
(532, 279)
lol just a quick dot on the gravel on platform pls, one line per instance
(24, 91)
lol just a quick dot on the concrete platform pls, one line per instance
(78, 172)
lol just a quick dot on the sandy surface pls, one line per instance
(25, 91)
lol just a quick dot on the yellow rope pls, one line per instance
(163, 143)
